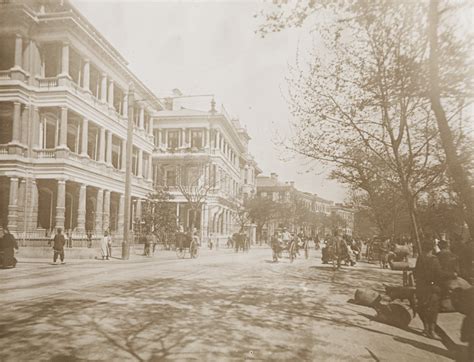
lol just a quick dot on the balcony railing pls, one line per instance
(49, 82)
(3, 149)
(46, 153)
(5, 74)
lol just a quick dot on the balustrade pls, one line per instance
(5, 74)
(48, 82)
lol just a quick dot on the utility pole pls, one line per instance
(128, 176)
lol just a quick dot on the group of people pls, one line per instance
(437, 275)
(340, 248)
(282, 238)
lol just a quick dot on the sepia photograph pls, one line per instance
(236, 180)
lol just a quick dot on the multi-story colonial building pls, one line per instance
(286, 193)
(63, 124)
(203, 154)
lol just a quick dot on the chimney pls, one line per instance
(169, 104)
(292, 183)
(274, 176)
(213, 106)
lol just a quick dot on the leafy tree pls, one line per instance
(262, 210)
(159, 214)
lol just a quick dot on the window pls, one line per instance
(170, 178)
(196, 138)
(173, 139)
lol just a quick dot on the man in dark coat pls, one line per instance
(448, 261)
(428, 277)
(7, 246)
(58, 246)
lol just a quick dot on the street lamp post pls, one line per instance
(128, 176)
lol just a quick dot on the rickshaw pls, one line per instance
(186, 243)
(278, 247)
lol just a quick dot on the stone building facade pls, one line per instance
(203, 151)
(63, 124)
(64, 113)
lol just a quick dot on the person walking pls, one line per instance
(8, 245)
(109, 245)
(428, 277)
(104, 246)
(58, 246)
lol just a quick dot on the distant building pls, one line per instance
(203, 149)
(286, 193)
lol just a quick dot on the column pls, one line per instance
(98, 211)
(106, 211)
(103, 88)
(138, 212)
(160, 135)
(140, 163)
(141, 120)
(125, 105)
(13, 204)
(183, 137)
(65, 59)
(218, 139)
(85, 137)
(108, 158)
(60, 204)
(123, 152)
(208, 137)
(102, 145)
(63, 129)
(35, 128)
(16, 131)
(25, 115)
(87, 75)
(150, 168)
(111, 93)
(120, 221)
(34, 205)
(18, 51)
(81, 209)
(150, 126)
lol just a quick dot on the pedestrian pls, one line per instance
(148, 242)
(58, 246)
(8, 245)
(69, 239)
(466, 260)
(104, 246)
(428, 275)
(89, 239)
(109, 245)
(154, 241)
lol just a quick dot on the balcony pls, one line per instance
(65, 156)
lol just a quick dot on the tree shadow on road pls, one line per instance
(186, 318)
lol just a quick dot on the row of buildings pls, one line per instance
(63, 133)
(325, 216)
(64, 115)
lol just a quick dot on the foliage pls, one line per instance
(159, 214)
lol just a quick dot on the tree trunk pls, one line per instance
(462, 185)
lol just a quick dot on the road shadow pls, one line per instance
(185, 318)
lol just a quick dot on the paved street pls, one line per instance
(221, 306)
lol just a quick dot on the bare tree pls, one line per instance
(194, 183)
(462, 184)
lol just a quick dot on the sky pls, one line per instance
(211, 48)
